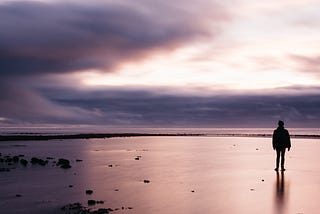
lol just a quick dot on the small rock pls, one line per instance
(262, 180)
(70, 186)
(64, 163)
(15, 159)
(103, 210)
(89, 191)
(110, 165)
(23, 162)
(21, 156)
(8, 159)
(100, 202)
(18, 195)
(257, 149)
(192, 190)
(79, 160)
(116, 190)
(91, 202)
(146, 181)
(130, 208)
(251, 189)
(137, 158)
(39, 161)
(50, 158)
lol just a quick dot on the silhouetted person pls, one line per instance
(281, 141)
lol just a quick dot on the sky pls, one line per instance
(158, 63)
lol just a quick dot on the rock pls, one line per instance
(91, 202)
(49, 158)
(130, 208)
(100, 202)
(262, 180)
(192, 190)
(21, 156)
(64, 163)
(89, 192)
(251, 189)
(79, 160)
(1, 160)
(23, 162)
(74, 208)
(138, 157)
(8, 159)
(70, 186)
(103, 211)
(18, 195)
(39, 161)
(146, 181)
(110, 165)
(65, 166)
(15, 159)
(116, 190)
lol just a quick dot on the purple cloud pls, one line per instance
(63, 37)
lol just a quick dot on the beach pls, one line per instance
(161, 174)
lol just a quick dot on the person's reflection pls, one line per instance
(280, 192)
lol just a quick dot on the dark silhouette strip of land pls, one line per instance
(82, 136)
(29, 137)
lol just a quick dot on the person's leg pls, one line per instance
(283, 151)
(277, 159)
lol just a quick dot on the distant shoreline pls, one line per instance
(30, 137)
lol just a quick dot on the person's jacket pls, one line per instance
(281, 138)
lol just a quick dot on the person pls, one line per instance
(280, 141)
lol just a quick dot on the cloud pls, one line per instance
(116, 106)
(20, 105)
(61, 37)
(307, 64)
(149, 108)
(41, 40)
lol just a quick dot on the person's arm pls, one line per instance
(289, 141)
(274, 140)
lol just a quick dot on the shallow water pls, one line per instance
(187, 175)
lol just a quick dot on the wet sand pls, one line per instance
(186, 174)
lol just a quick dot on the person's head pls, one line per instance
(280, 123)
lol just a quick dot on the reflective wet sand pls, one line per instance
(186, 174)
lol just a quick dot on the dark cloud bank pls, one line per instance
(38, 39)
(114, 107)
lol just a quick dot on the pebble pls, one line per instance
(91, 202)
(146, 181)
(89, 191)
